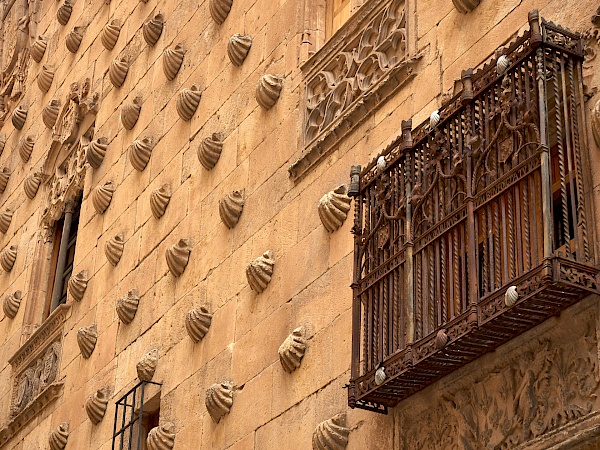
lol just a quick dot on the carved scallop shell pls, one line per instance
(96, 151)
(147, 365)
(2, 143)
(127, 306)
(130, 113)
(74, 38)
(238, 48)
(292, 350)
(63, 14)
(4, 177)
(86, 339)
(117, 72)
(502, 65)
(110, 34)
(380, 376)
(197, 323)
(333, 208)
(161, 437)
(46, 77)
(210, 150)
(114, 249)
(32, 184)
(19, 116)
(231, 207)
(268, 90)
(219, 10)
(188, 101)
(153, 29)
(5, 219)
(172, 60)
(260, 271)
(331, 434)
(465, 6)
(511, 296)
(50, 113)
(78, 284)
(219, 400)
(102, 196)
(96, 404)
(8, 256)
(11, 304)
(26, 147)
(178, 256)
(159, 200)
(38, 48)
(596, 122)
(140, 152)
(441, 339)
(434, 119)
(59, 436)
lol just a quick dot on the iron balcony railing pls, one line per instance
(472, 228)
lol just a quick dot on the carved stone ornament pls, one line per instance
(238, 48)
(31, 184)
(74, 38)
(159, 200)
(110, 34)
(188, 101)
(465, 6)
(197, 323)
(260, 271)
(5, 219)
(231, 207)
(292, 350)
(511, 296)
(161, 437)
(77, 285)
(8, 256)
(333, 208)
(210, 150)
(86, 339)
(147, 365)
(114, 248)
(4, 177)
(140, 152)
(19, 116)
(26, 147)
(596, 122)
(96, 151)
(2, 143)
(117, 72)
(152, 29)
(127, 306)
(50, 113)
(268, 90)
(331, 434)
(172, 60)
(38, 48)
(219, 400)
(46, 77)
(59, 437)
(130, 113)
(11, 304)
(178, 256)
(102, 196)
(63, 14)
(219, 10)
(96, 405)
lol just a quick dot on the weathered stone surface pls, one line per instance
(8, 256)
(96, 405)
(178, 256)
(78, 284)
(197, 323)
(102, 196)
(231, 207)
(331, 434)
(127, 306)
(11, 304)
(188, 101)
(38, 48)
(153, 29)
(259, 271)
(32, 184)
(219, 400)
(50, 113)
(46, 77)
(147, 365)
(292, 350)
(5, 219)
(210, 150)
(140, 152)
(238, 48)
(333, 208)
(219, 10)
(162, 437)
(26, 147)
(159, 200)
(268, 90)
(110, 34)
(58, 437)
(172, 61)
(117, 72)
(96, 151)
(86, 339)
(130, 113)
(114, 248)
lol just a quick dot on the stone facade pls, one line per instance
(167, 118)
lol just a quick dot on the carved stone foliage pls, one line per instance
(172, 60)
(333, 208)
(219, 10)
(32, 184)
(159, 200)
(238, 48)
(210, 150)
(465, 6)
(5, 219)
(153, 29)
(114, 248)
(292, 350)
(147, 365)
(268, 90)
(117, 72)
(110, 34)
(96, 404)
(219, 399)
(86, 339)
(74, 38)
(197, 323)
(127, 306)
(46, 77)
(102, 196)
(331, 434)
(140, 152)
(188, 101)
(78, 284)
(8, 256)
(11, 304)
(162, 437)
(260, 271)
(178, 256)
(130, 113)
(231, 207)
(59, 436)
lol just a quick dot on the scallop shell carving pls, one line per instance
(110, 34)
(4, 176)
(8, 256)
(331, 434)
(46, 77)
(59, 436)
(86, 339)
(502, 65)
(96, 404)
(130, 113)
(231, 207)
(434, 119)
(19, 116)
(2, 143)
(117, 72)
(64, 12)
(114, 249)
(465, 6)
(102, 196)
(26, 147)
(140, 152)
(78, 284)
(219, 400)
(511, 296)
(210, 150)
(96, 151)
(380, 376)
(197, 323)
(11, 304)
(333, 208)
(32, 184)
(596, 122)
(147, 365)
(219, 10)
(178, 256)
(74, 38)
(268, 90)
(50, 113)
(153, 29)
(172, 60)
(238, 48)
(441, 339)
(127, 306)
(260, 271)
(292, 350)
(159, 200)
(5, 219)
(188, 101)
(161, 437)
(38, 48)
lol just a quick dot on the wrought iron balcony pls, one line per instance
(472, 228)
